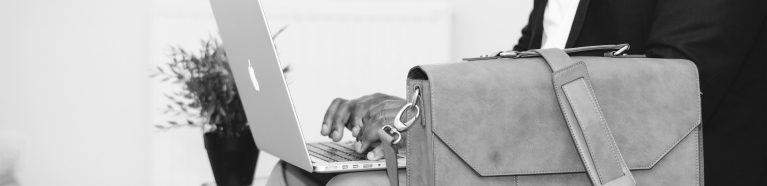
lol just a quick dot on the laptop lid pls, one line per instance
(258, 75)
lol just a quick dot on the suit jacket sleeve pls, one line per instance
(527, 33)
(717, 35)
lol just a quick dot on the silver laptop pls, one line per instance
(266, 98)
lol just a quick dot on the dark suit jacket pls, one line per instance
(725, 39)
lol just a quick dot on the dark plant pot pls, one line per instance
(233, 159)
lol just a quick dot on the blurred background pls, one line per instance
(77, 105)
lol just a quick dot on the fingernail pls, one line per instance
(336, 134)
(324, 128)
(371, 155)
(357, 146)
(355, 131)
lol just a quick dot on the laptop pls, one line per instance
(265, 96)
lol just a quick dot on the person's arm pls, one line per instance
(716, 35)
(527, 33)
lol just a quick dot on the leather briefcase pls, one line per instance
(542, 117)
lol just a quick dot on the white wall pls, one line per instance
(325, 52)
(365, 46)
(74, 83)
(73, 80)
(484, 26)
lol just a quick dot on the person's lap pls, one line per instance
(284, 174)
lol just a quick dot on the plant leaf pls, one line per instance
(279, 32)
(169, 97)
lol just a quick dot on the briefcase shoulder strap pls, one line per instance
(390, 155)
(588, 127)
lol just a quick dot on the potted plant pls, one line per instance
(209, 97)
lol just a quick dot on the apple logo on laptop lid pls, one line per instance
(253, 76)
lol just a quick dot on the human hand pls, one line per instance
(371, 134)
(349, 114)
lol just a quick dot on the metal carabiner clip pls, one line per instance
(398, 124)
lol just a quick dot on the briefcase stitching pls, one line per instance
(501, 173)
(678, 141)
(577, 116)
(697, 169)
(431, 132)
(546, 171)
(407, 144)
(594, 101)
(567, 119)
(688, 132)
(516, 180)
(601, 116)
(434, 121)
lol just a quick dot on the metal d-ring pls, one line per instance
(392, 131)
(416, 94)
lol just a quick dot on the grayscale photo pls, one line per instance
(383, 92)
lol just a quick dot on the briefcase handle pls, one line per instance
(612, 51)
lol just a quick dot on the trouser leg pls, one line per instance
(285, 174)
(369, 178)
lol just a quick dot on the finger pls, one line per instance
(385, 137)
(325, 130)
(366, 142)
(339, 120)
(357, 146)
(368, 134)
(371, 136)
(356, 119)
(355, 131)
(360, 110)
(378, 116)
(376, 154)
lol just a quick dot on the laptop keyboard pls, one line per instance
(334, 152)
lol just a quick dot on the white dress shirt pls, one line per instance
(557, 21)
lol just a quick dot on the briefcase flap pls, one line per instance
(501, 116)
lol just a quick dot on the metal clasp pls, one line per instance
(509, 54)
(398, 124)
(621, 50)
(392, 131)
